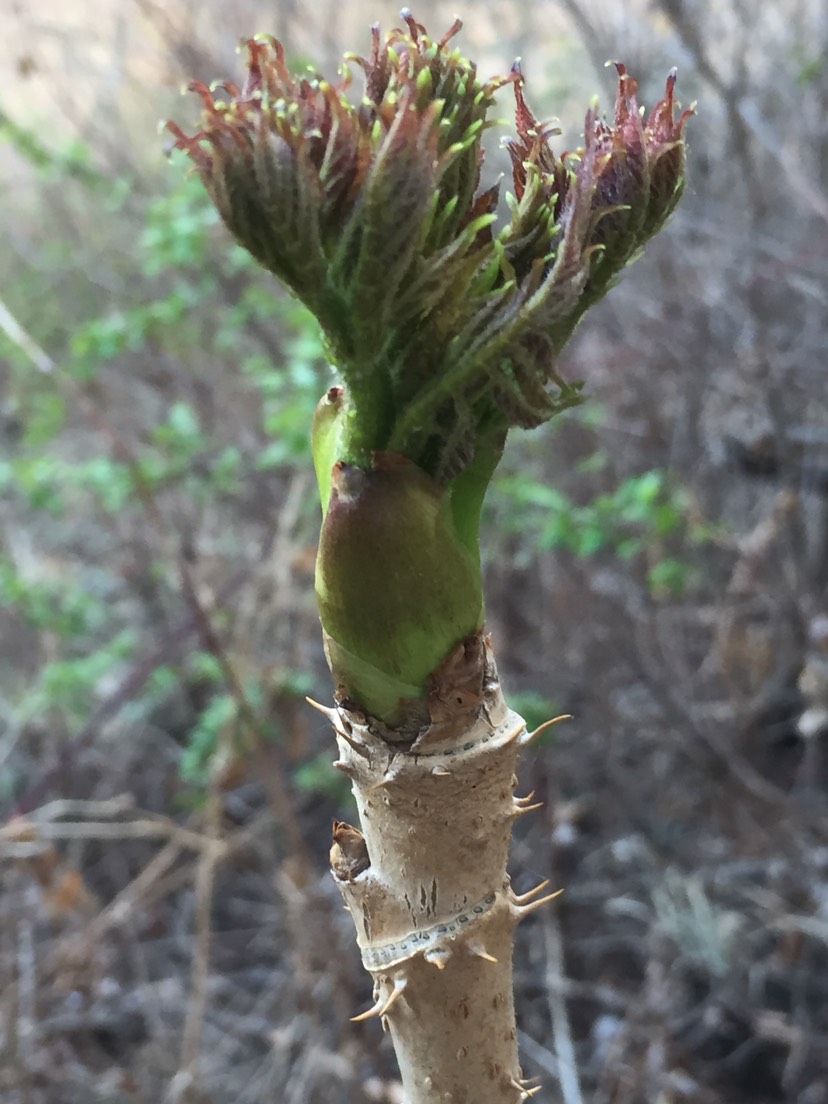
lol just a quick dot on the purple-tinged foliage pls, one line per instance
(446, 332)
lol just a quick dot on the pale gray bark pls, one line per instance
(426, 883)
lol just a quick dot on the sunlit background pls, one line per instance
(657, 565)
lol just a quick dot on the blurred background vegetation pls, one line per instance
(657, 565)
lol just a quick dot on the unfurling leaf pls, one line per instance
(444, 329)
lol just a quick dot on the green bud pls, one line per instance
(397, 587)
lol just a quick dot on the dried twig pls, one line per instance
(24, 341)
(746, 118)
(561, 1029)
(26, 990)
(19, 834)
(200, 963)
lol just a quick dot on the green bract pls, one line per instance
(397, 588)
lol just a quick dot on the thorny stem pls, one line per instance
(426, 883)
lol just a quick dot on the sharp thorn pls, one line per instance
(359, 748)
(523, 1088)
(522, 810)
(380, 1007)
(523, 898)
(325, 710)
(438, 957)
(399, 985)
(479, 951)
(373, 1011)
(528, 737)
(386, 780)
(533, 906)
(351, 742)
(346, 768)
(525, 800)
(333, 716)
